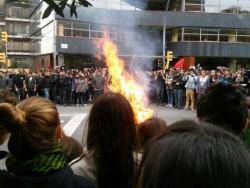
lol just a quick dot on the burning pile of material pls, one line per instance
(123, 82)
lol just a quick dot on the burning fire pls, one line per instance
(123, 82)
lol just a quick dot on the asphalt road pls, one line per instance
(74, 119)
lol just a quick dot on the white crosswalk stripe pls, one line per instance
(74, 123)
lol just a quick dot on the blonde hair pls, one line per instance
(35, 119)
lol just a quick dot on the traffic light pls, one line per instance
(2, 58)
(4, 36)
(8, 63)
(169, 56)
(160, 63)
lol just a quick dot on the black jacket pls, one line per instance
(178, 82)
(60, 179)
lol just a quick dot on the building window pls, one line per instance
(176, 5)
(217, 6)
(191, 34)
(243, 35)
(208, 34)
(227, 35)
(193, 5)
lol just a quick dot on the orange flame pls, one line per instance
(123, 82)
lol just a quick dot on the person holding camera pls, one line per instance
(191, 80)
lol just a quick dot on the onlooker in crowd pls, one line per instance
(148, 129)
(54, 86)
(31, 85)
(81, 90)
(169, 88)
(61, 85)
(179, 88)
(36, 157)
(189, 155)
(160, 87)
(110, 159)
(43, 86)
(3, 84)
(203, 82)
(98, 84)
(19, 85)
(73, 88)
(223, 105)
(67, 84)
(191, 81)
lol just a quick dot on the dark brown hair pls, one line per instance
(112, 140)
(150, 128)
(191, 155)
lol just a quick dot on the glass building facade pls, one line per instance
(196, 34)
(212, 6)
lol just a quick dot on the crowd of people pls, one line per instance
(173, 88)
(119, 152)
(180, 89)
(72, 87)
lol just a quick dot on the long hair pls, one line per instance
(112, 140)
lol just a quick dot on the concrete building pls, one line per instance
(206, 32)
(19, 26)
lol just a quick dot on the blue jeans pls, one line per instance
(159, 95)
(178, 97)
(170, 94)
(46, 93)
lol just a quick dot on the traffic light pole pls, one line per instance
(6, 56)
(164, 46)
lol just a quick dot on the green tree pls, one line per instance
(58, 6)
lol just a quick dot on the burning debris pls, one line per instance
(123, 82)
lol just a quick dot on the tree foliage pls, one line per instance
(59, 6)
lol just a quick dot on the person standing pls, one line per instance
(60, 87)
(67, 83)
(178, 86)
(44, 85)
(54, 87)
(73, 88)
(98, 83)
(81, 90)
(31, 85)
(169, 89)
(160, 85)
(3, 84)
(203, 82)
(19, 85)
(191, 80)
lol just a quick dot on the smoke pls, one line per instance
(138, 44)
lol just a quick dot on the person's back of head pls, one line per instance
(224, 106)
(192, 156)
(112, 140)
(148, 129)
(35, 128)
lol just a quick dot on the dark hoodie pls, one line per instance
(61, 179)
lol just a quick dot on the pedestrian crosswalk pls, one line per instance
(73, 123)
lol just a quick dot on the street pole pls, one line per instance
(164, 46)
